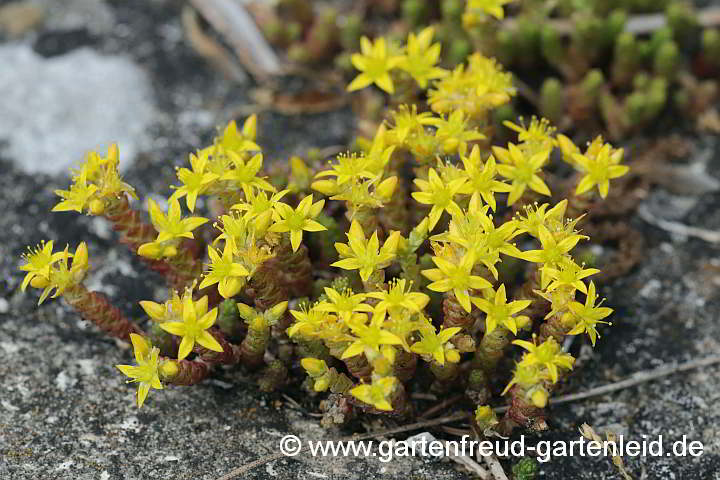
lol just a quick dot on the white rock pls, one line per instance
(55, 110)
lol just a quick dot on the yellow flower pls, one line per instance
(311, 322)
(363, 254)
(145, 373)
(344, 304)
(568, 274)
(350, 168)
(476, 88)
(476, 232)
(397, 298)
(65, 274)
(552, 251)
(225, 271)
(244, 173)
(588, 315)
(193, 329)
(378, 154)
(54, 271)
(38, 262)
(172, 309)
(502, 312)
(522, 170)
(408, 122)
(369, 338)
(548, 355)
(421, 58)
(439, 194)
(238, 142)
(375, 65)
(195, 180)
(297, 220)
(568, 148)
(259, 209)
(437, 345)
(237, 231)
(79, 195)
(600, 169)
(172, 226)
(369, 194)
(96, 183)
(300, 175)
(453, 132)
(458, 278)
(535, 216)
(376, 394)
(260, 321)
(529, 377)
(537, 136)
(481, 178)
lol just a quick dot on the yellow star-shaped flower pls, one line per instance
(375, 64)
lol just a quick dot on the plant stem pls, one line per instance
(96, 307)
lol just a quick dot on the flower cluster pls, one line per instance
(433, 254)
(377, 61)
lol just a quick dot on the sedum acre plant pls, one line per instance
(427, 257)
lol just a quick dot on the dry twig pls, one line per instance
(234, 23)
(710, 236)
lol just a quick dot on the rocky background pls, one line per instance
(80, 74)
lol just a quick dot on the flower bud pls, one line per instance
(156, 311)
(298, 167)
(262, 223)
(386, 188)
(231, 286)
(258, 324)
(452, 356)
(150, 250)
(80, 259)
(539, 398)
(168, 369)
(321, 384)
(250, 127)
(485, 417)
(113, 157)
(326, 187)
(278, 310)
(247, 313)
(96, 206)
(39, 282)
(314, 366)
